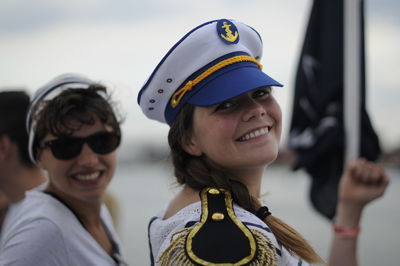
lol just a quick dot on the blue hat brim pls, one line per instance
(233, 82)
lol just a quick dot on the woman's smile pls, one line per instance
(88, 179)
(254, 134)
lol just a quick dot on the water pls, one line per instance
(142, 190)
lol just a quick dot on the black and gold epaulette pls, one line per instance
(220, 238)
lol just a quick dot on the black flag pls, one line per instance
(317, 129)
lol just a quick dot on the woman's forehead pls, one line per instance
(243, 95)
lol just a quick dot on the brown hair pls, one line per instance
(59, 115)
(198, 173)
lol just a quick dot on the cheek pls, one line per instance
(110, 161)
(44, 160)
(227, 123)
(276, 113)
(52, 166)
(211, 132)
(221, 130)
(213, 137)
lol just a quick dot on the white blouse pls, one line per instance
(161, 231)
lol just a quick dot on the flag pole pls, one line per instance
(352, 77)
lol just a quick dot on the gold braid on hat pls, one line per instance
(178, 95)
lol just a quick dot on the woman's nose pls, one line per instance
(87, 157)
(253, 109)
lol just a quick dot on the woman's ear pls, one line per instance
(5, 147)
(190, 145)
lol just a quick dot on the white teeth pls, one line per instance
(87, 177)
(254, 134)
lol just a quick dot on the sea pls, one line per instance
(140, 190)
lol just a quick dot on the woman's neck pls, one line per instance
(251, 178)
(88, 212)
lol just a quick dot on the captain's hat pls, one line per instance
(214, 62)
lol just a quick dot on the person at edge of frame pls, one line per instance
(17, 173)
(74, 132)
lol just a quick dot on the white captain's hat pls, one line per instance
(214, 62)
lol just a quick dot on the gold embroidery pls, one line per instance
(229, 36)
(244, 229)
(213, 191)
(175, 253)
(217, 216)
(261, 246)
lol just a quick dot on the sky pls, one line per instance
(120, 42)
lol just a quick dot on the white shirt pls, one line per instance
(40, 230)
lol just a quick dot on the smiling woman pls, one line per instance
(225, 128)
(216, 126)
(73, 135)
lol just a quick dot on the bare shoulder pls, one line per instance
(184, 198)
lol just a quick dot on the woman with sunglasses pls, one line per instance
(73, 135)
(225, 129)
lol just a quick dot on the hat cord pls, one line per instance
(178, 95)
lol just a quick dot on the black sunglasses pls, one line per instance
(67, 148)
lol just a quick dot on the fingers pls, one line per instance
(368, 173)
(362, 182)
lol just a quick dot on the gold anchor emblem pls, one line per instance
(229, 36)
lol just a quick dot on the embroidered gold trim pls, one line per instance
(178, 95)
(214, 191)
(266, 252)
(229, 36)
(261, 246)
(217, 216)
(244, 229)
(175, 253)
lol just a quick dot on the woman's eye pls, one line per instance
(224, 106)
(264, 92)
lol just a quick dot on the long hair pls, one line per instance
(197, 172)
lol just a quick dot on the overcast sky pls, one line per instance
(120, 42)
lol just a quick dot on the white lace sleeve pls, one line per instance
(161, 231)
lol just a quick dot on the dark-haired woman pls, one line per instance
(225, 129)
(73, 135)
